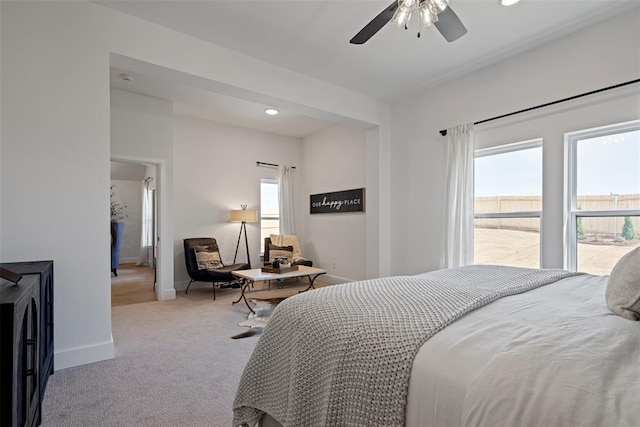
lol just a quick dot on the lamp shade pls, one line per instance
(244, 215)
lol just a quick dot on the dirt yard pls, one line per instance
(522, 249)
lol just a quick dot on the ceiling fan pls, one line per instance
(435, 12)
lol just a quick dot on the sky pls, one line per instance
(268, 199)
(606, 165)
(518, 173)
(609, 165)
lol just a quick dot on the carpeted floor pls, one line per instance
(175, 365)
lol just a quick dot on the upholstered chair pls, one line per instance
(199, 254)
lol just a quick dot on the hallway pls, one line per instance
(133, 285)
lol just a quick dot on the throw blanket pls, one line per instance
(342, 355)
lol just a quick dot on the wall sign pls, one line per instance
(337, 201)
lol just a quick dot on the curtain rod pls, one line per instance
(270, 164)
(443, 132)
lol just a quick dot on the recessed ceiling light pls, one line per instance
(271, 111)
(508, 2)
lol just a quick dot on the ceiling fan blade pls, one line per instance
(450, 25)
(375, 25)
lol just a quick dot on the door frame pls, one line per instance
(164, 269)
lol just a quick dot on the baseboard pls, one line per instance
(182, 285)
(76, 356)
(130, 260)
(167, 294)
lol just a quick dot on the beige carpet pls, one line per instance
(175, 365)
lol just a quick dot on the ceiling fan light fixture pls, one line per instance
(408, 4)
(399, 13)
(403, 13)
(435, 6)
(427, 17)
(401, 18)
(508, 2)
(428, 9)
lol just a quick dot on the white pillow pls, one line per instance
(207, 259)
(623, 287)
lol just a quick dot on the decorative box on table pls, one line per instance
(280, 270)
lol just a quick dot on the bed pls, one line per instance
(527, 348)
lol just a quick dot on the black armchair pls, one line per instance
(217, 275)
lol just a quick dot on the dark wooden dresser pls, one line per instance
(26, 342)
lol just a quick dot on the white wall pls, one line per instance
(55, 168)
(56, 141)
(335, 160)
(599, 56)
(215, 172)
(129, 194)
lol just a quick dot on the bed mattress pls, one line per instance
(554, 356)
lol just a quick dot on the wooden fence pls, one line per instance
(605, 226)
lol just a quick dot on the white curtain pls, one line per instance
(460, 153)
(285, 199)
(146, 236)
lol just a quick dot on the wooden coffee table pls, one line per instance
(257, 275)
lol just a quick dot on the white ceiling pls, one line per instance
(312, 38)
(203, 104)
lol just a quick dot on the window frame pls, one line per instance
(277, 183)
(571, 188)
(509, 148)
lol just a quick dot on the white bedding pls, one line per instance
(554, 356)
(343, 355)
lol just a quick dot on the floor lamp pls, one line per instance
(243, 215)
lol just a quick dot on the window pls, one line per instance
(508, 204)
(269, 209)
(603, 196)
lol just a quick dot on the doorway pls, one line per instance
(135, 185)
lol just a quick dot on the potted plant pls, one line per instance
(117, 231)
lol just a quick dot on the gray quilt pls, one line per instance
(342, 355)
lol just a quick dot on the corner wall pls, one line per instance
(335, 160)
(602, 55)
